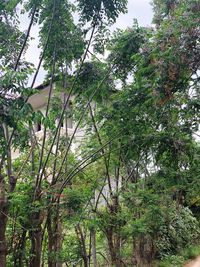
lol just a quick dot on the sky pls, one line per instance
(139, 9)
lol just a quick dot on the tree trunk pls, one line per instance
(3, 199)
(93, 248)
(3, 222)
(50, 240)
(113, 248)
(54, 228)
(58, 240)
(36, 238)
(143, 250)
(81, 238)
(36, 247)
(20, 250)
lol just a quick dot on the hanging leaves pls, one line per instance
(101, 10)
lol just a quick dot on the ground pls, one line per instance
(194, 263)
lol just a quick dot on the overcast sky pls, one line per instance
(139, 9)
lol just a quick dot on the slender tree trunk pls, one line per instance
(4, 201)
(114, 239)
(113, 249)
(54, 228)
(36, 235)
(82, 244)
(93, 251)
(50, 240)
(58, 241)
(20, 250)
(93, 248)
(3, 222)
(36, 247)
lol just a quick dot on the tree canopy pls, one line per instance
(127, 192)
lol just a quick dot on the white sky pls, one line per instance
(139, 9)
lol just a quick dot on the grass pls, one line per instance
(179, 260)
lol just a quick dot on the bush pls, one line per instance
(181, 230)
(191, 252)
(172, 261)
(179, 260)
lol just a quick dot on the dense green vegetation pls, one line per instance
(129, 194)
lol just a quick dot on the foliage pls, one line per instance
(127, 195)
(188, 253)
(56, 26)
(124, 46)
(98, 10)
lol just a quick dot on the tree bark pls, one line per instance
(114, 239)
(20, 250)
(143, 250)
(81, 238)
(50, 240)
(113, 249)
(36, 237)
(54, 228)
(93, 248)
(3, 199)
(36, 247)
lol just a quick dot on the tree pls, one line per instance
(56, 22)
(126, 198)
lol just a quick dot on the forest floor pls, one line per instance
(194, 263)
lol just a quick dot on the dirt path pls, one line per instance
(194, 263)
